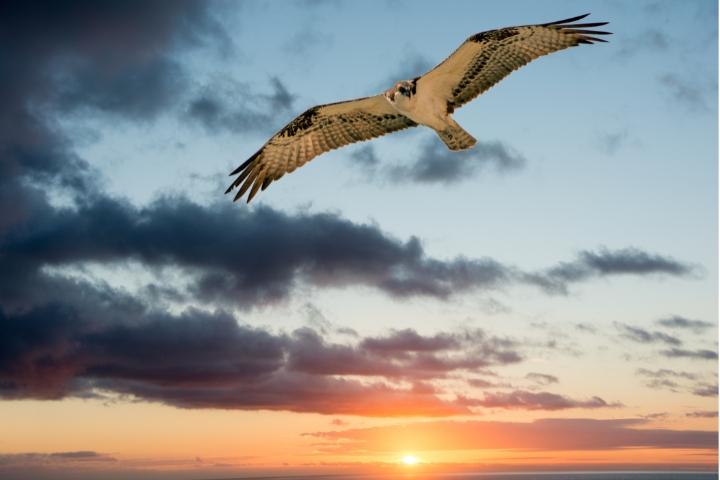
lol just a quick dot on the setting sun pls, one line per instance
(410, 460)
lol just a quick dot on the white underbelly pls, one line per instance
(424, 110)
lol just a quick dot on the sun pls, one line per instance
(410, 460)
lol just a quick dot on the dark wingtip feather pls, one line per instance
(593, 39)
(567, 20)
(246, 163)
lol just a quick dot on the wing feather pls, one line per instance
(316, 131)
(487, 57)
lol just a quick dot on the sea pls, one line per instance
(545, 475)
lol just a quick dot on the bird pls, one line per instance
(479, 63)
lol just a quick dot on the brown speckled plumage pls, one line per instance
(318, 130)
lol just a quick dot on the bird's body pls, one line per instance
(479, 63)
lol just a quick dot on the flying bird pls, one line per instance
(479, 63)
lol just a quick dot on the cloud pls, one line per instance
(669, 384)
(84, 455)
(365, 157)
(702, 414)
(705, 390)
(539, 435)
(693, 354)
(435, 164)
(481, 383)
(542, 378)
(301, 43)
(661, 373)
(207, 360)
(53, 460)
(402, 354)
(234, 107)
(610, 143)
(110, 56)
(643, 336)
(652, 40)
(697, 326)
(628, 261)
(693, 93)
(523, 400)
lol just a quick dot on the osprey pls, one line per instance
(478, 64)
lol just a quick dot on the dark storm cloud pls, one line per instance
(643, 336)
(523, 400)
(136, 92)
(207, 360)
(244, 256)
(108, 55)
(545, 434)
(697, 326)
(693, 354)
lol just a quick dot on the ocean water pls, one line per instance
(617, 475)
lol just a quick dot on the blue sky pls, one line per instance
(571, 256)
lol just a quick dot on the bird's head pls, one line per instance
(404, 88)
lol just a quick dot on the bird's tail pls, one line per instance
(455, 137)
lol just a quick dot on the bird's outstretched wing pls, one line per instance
(316, 131)
(487, 57)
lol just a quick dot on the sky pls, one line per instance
(547, 300)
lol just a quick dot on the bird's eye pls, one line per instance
(402, 89)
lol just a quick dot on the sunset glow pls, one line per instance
(544, 301)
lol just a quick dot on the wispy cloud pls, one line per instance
(693, 354)
(303, 42)
(610, 143)
(677, 322)
(523, 400)
(705, 390)
(702, 414)
(695, 94)
(435, 164)
(663, 372)
(545, 434)
(628, 261)
(640, 335)
(542, 378)
(239, 108)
